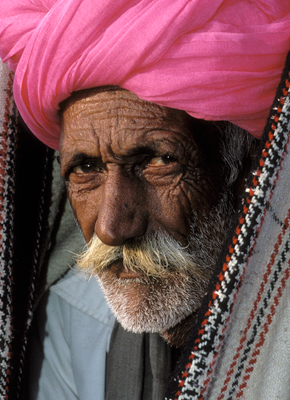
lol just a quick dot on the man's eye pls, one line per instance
(161, 161)
(85, 168)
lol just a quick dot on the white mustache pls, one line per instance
(153, 255)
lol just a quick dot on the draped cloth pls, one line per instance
(215, 59)
(7, 188)
(239, 346)
(24, 203)
(144, 361)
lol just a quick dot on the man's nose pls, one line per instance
(122, 214)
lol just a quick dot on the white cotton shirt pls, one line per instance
(72, 331)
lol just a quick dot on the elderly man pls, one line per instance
(153, 191)
(152, 182)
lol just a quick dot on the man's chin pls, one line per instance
(151, 304)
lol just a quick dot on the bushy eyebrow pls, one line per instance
(148, 150)
(78, 157)
(70, 160)
(74, 159)
(151, 149)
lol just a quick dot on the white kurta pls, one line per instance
(73, 329)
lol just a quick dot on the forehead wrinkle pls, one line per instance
(109, 105)
(119, 105)
(111, 119)
(67, 154)
(91, 118)
(80, 130)
(123, 96)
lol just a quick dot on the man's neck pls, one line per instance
(178, 335)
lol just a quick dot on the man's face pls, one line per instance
(135, 175)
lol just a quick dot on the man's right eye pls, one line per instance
(86, 167)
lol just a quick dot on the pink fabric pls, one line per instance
(216, 59)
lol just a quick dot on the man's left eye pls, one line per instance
(85, 168)
(161, 161)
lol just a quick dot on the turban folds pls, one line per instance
(215, 59)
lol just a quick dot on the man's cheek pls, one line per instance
(85, 209)
(201, 190)
(171, 209)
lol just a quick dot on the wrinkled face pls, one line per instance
(136, 173)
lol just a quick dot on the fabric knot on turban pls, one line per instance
(215, 59)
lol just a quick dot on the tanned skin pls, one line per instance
(132, 168)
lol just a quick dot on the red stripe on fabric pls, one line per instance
(248, 200)
(206, 382)
(266, 325)
(254, 309)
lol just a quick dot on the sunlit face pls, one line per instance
(135, 169)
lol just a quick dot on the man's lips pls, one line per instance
(119, 270)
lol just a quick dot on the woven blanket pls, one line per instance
(240, 347)
(25, 180)
(7, 186)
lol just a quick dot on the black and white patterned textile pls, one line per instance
(25, 177)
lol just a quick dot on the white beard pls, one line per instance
(172, 279)
(150, 304)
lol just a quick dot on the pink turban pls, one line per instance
(215, 59)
